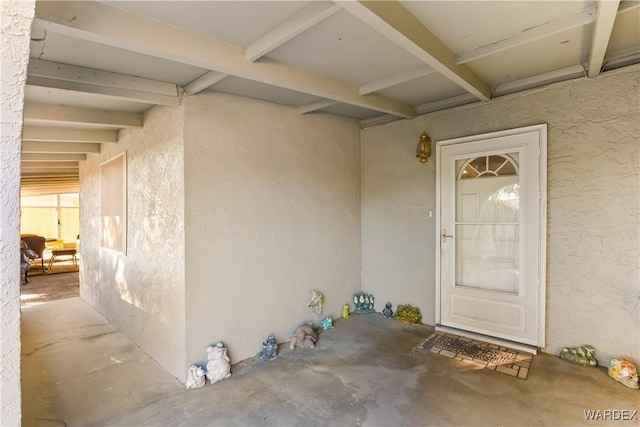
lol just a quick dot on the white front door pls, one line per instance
(492, 189)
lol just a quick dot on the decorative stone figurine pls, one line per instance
(195, 377)
(584, 355)
(327, 323)
(345, 311)
(317, 301)
(218, 366)
(304, 337)
(386, 311)
(624, 372)
(269, 349)
(363, 303)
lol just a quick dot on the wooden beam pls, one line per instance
(38, 113)
(395, 80)
(100, 23)
(107, 92)
(60, 176)
(113, 85)
(443, 104)
(606, 17)
(306, 18)
(204, 81)
(70, 170)
(528, 34)
(26, 164)
(55, 133)
(315, 106)
(60, 147)
(395, 22)
(572, 72)
(46, 157)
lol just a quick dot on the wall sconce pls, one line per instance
(424, 148)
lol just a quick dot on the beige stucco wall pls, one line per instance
(272, 212)
(593, 256)
(15, 28)
(141, 292)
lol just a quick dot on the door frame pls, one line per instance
(541, 129)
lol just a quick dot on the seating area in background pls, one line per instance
(37, 244)
(50, 250)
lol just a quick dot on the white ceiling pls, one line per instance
(96, 66)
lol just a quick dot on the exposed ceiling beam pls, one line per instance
(379, 120)
(61, 134)
(113, 85)
(54, 176)
(48, 157)
(60, 147)
(69, 170)
(430, 107)
(396, 23)
(572, 72)
(204, 81)
(395, 80)
(606, 17)
(443, 104)
(38, 113)
(306, 18)
(38, 190)
(107, 25)
(51, 180)
(529, 34)
(315, 106)
(26, 164)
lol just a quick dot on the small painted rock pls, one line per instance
(624, 372)
(584, 355)
(327, 323)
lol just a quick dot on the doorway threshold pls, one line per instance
(492, 340)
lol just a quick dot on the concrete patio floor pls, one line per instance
(79, 370)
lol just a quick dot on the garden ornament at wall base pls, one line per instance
(387, 311)
(345, 311)
(408, 314)
(219, 365)
(584, 355)
(317, 301)
(304, 337)
(363, 303)
(269, 349)
(327, 323)
(624, 372)
(196, 377)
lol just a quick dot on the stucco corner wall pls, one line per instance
(272, 212)
(15, 23)
(141, 292)
(398, 192)
(593, 195)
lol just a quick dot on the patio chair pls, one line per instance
(37, 244)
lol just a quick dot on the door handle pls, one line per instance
(444, 235)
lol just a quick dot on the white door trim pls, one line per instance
(541, 129)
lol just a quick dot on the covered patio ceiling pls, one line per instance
(97, 66)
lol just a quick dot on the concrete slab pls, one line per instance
(80, 370)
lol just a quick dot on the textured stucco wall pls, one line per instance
(593, 283)
(272, 212)
(141, 292)
(15, 28)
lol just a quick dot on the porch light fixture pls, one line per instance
(424, 148)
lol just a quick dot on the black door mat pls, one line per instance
(489, 356)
